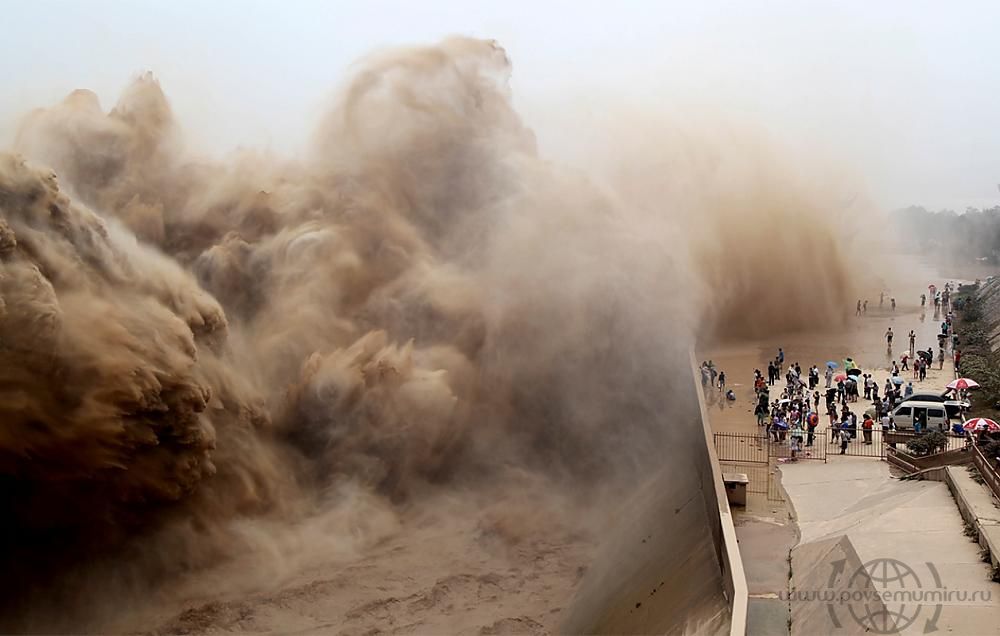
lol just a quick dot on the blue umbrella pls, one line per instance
(831, 364)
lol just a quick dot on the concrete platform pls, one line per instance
(864, 533)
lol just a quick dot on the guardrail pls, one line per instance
(987, 469)
(915, 463)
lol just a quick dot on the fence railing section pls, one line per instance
(762, 447)
(988, 469)
(747, 448)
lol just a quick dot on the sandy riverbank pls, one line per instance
(862, 338)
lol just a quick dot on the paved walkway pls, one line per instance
(851, 515)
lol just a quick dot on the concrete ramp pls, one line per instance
(827, 594)
(880, 555)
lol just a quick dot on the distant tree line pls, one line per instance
(972, 236)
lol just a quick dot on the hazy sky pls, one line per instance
(906, 93)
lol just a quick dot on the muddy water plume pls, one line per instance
(191, 348)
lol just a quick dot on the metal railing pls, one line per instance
(747, 448)
(762, 448)
(987, 468)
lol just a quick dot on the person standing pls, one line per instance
(829, 376)
(781, 359)
(913, 342)
(864, 308)
(958, 360)
(722, 381)
(866, 428)
(796, 437)
(888, 337)
(893, 302)
(858, 311)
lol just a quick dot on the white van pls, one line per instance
(931, 413)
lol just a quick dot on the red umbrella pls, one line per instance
(981, 424)
(839, 378)
(963, 384)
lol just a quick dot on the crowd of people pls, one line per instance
(794, 412)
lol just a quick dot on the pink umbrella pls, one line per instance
(981, 424)
(963, 384)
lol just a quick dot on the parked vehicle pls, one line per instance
(931, 414)
(952, 407)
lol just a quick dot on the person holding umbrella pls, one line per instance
(962, 384)
(845, 435)
(981, 426)
(812, 421)
(852, 388)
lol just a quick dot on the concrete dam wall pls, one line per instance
(672, 565)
